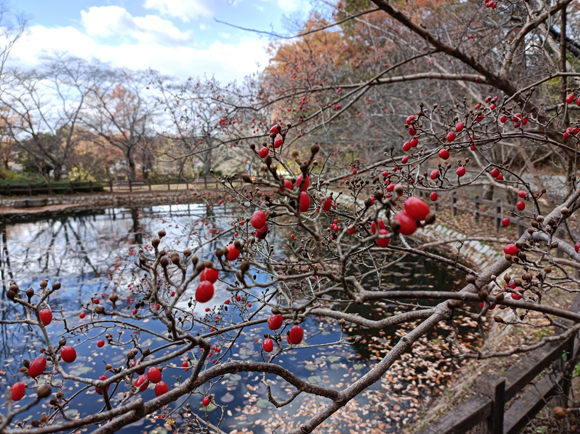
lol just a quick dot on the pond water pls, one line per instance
(87, 251)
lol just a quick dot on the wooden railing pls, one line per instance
(113, 186)
(479, 208)
(485, 413)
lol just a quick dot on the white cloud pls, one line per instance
(227, 61)
(115, 21)
(183, 9)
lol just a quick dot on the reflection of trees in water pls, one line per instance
(80, 245)
(5, 269)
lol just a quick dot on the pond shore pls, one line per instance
(16, 208)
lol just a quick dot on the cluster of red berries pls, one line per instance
(154, 376)
(415, 210)
(205, 289)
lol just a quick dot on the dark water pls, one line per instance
(88, 254)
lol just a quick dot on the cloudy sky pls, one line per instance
(178, 37)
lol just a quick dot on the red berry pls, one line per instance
(206, 401)
(444, 153)
(511, 249)
(450, 136)
(495, 173)
(185, 365)
(96, 301)
(141, 383)
(306, 182)
(412, 131)
(433, 196)
(258, 219)
(275, 129)
(304, 201)
(278, 142)
(570, 98)
(233, 253)
(37, 367)
(264, 152)
(460, 171)
(45, 316)
(262, 232)
(414, 142)
(374, 226)
(68, 354)
(275, 322)
(459, 127)
(101, 344)
(326, 203)
(522, 194)
(287, 185)
(405, 159)
(351, 230)
(521, 206)
(434, 174)
(154, 375)
(204, 291)
(577, 246)
(17, 391)
(515, 296)
(416, 208)
(268, 345)
(296, 335)
(499, 177)
(209, 274)
(383, 242)
(408, 226)
(161, 388)
(407, 146)
(503, 119)
(505, 222)
(102, 378)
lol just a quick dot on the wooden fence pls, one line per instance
(486, 412)
(112, 186)
(479, 208)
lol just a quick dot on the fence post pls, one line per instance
(130, 186)
(493, 387)
(8, 187)
(476, 209)
(453, 202)
(149, 181)
(91, 186)
(168, 184)
(519, 227)
(498, 214)
(29, 189)
(72, 188)
(50, 187)
(111, 185)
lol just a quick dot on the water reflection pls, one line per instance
(83, 251)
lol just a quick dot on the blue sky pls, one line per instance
(177, 37)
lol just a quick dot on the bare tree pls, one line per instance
(120, 112)
(43, 110)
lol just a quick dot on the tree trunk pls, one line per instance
(207, 163)
(131, 161)
(57, 172)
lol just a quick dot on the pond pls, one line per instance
(87, 252)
